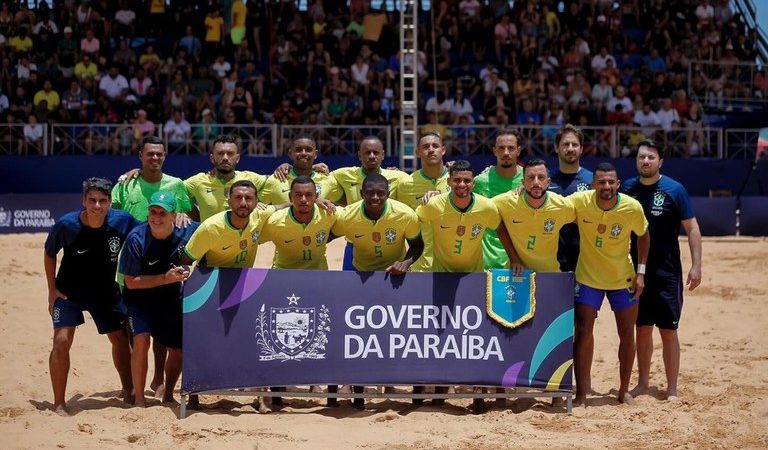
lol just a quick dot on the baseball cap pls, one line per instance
(163, 199)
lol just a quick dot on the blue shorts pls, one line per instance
(347, 264)
(661, 302)
(165, 327)
(619, 299)
(68, 313)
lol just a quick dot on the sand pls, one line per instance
(723, 383)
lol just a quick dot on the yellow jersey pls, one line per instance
(223, 245)
(377, 243)
(410, 192)
(604, 259)
(298, 245)
(210, 192)
(275, 192)
(458, 235)
(535, 232)
(350, 182)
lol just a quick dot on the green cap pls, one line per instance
(163, 199)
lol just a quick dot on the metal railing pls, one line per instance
(740, 143)
(336, 139)
(724, 86)
(14, 142)
(273, 140)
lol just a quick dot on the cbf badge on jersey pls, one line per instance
(511, 300)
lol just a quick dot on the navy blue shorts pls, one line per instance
(164, 325)
(67, 313)
(619, 299)
(661, 302)
(347, 264)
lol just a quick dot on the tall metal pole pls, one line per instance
(409, 60)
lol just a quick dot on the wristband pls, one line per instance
(641, 269)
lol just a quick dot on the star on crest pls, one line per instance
(293, 299)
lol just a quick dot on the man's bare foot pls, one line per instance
(580, 400)
(61, 410)
(156, 384)
(626, 398)
(194, 402)
(160, 391)
(127, 396)
(640, 389)
(558, 402)
(261, 406)
(672, 395)
(501, 403)
(140, 403)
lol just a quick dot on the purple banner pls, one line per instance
(35, 213)
(258, 327)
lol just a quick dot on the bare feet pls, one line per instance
(61, 410)
(160, 391)
(127, 396)
(580, 400)
(626, 398)
(640, 389)
(155, 384)
(262, 407)
(672, 395)
(558, 402)
(140, 402)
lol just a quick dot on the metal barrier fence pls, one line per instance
(273, 140)
(23, 139)
(336, 139)
(725, 86)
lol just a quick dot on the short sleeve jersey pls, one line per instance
(209, 192)
(566, 184)
(490, 184)
(410, 192)
(133, 195)
(458, 235)
(299, 245)
(350, 182)
(535, 231)
(145, 255)
(666, 204)
(275, 192)
(604, 259)
(377, 243)
(223, 245)
(87, 270)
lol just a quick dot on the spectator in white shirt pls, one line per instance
(33, 135)
(440, 106)
(667, 114)
(221, 67)
(620, 99)
(646, 119)
(176, 131)
(600, 61)
(461, 106)
(114, 86)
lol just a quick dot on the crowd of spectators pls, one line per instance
(189, 66)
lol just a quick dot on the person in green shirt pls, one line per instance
(133, 196)
(504, 177)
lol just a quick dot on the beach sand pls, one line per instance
(722, 385)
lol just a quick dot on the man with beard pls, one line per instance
(303, 153)
(667, 206)
(606, 221)
(506, 176)
(568, 178)
(209, 189)
(458, 220)
(531, 221)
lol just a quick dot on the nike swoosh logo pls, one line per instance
(517, 221)
(586, 221)
(354, 184)
(444, 227)
(152, 263)
(135, 203)
(80, 252)
(287, 242)
(209, 190)
(358, 236)
(224, 248)
(285, 190)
